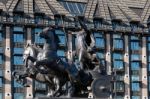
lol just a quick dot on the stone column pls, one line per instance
(7, 67)
(29, 90)
(126, 60)
(144, 70)
(108, 54)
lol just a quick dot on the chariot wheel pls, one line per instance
(101, 87)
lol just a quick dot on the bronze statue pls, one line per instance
(44, 65)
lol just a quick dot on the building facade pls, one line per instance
(121, 29)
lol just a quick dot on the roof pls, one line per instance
(125, 10)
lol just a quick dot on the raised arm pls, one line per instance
(43, 34)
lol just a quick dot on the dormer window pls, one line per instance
(134, 26)
(18, 16)
(116, 24)
(59, 20)
(97, 22)
(38, 18)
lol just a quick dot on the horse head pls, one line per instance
(51, 38)
(29, 50)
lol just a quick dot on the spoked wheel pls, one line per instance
(101, 87)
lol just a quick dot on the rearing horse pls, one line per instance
(48, 55)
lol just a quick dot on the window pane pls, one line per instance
(18, 50)
(18, 29)
(135, 46)
(40, 86)
(1, 38)
(136, 97)
(1, 95)
(119, 86)
(19, 96)
(1, 82)
(99, 40)
(135, 86)
(16, 84)
(148, 46)
(1, 59)
(61, 36)
(135, 66)
(118, 43)
(135, 57)
(135, 78)
(37, 38)
(134, 38)
(18, 38)
(18, 60)
(74, 8)
(118, 64)
(117, 56)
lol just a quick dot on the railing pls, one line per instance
(71, 24)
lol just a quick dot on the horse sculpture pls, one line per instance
(85, 48)
(59, 72)
(54, 79)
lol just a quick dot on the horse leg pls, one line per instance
(80, 59)
(57, 86)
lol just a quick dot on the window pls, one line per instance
(117, 41)
(61, 36)
(61, 54)
(135, 65)
(149, 83)
(135, 86)
(18, 29)
(133, 26)
(135, 57)
(99, 40)
(118, 61)
(38, 19)
(38, 39)
(135, 78)
(148, 47)
(18, 35)
(18, 38)
(40, 86)
(119, 86)
(135, 43)
(97, 23)
(58, 20)
(116, 24)
(18, 18)
(18, 60)
(136, 97)
(19, 96)
(1, 37)
(18, 50)
(17, 85)
(101, 56)
(1, 82)
(1, 59)
(1, 96)
(74, 8)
